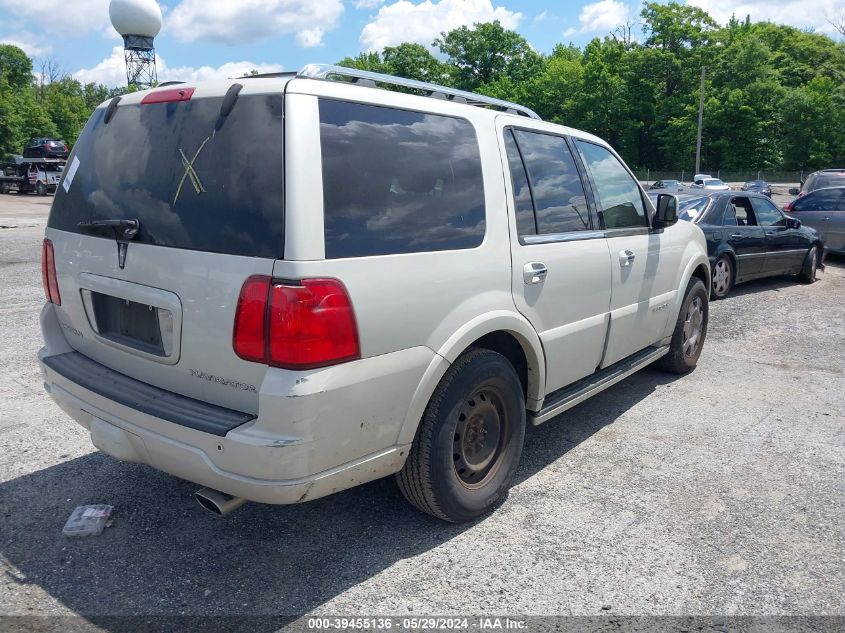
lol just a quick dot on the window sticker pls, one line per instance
(71, 172)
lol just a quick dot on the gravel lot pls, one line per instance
(722, 492)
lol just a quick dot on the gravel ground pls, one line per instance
(719, 493)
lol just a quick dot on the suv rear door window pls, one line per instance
(523, 204)
(619, 195)
(398, 181)
(194, 179)
(560, 204)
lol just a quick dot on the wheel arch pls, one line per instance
(504, 332)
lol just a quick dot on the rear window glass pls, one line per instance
(193, 179)
(397, 181)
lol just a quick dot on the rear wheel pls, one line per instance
(469, 441)
(811, 265)
(723, 277)
(690, 330)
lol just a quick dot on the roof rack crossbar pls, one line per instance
(364, 77)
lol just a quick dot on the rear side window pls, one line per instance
(619, 195)
(193, 179)
(560, 205)
(398, 181)
(524, 206)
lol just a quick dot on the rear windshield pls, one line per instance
(822, 181)
(193, 179)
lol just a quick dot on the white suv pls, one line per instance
(291, 285)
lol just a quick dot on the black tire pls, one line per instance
(680, 359)
(41, 189)
(722, 281)
(810, 266)
(478, 401)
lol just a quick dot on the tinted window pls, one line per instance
(521, 191)
(618, 193)
(559, 200)
(396, 181)
(229, 201)
(767, 213)
(821, 200)
(822, 181)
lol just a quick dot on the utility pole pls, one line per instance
(700, 117)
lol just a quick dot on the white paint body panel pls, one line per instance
(322, 430)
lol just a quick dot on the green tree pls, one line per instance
(486, 52)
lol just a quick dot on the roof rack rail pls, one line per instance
(370, 80)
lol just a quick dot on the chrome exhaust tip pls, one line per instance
(218, 502)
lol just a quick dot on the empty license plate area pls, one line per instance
(138, 325)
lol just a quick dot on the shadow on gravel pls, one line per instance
(164, 555)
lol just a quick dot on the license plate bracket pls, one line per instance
(128, 323)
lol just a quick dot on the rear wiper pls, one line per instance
(123, 229)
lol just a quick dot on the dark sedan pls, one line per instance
(758, 186)
(669, 185)
(46, 148)
(748, 237)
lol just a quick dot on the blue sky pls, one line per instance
(224, 38)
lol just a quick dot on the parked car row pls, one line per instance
(705, 182)
(748, 237)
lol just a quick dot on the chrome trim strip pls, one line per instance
(627, 231)
(551, 238)
(324, 71)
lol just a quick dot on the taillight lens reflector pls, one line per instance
(48, 273)
(295, 325)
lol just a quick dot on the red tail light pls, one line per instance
(295, 325)
(48, 273)
(788, 207)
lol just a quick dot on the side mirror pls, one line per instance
(667, 211)
(793, 191)
(793, 223)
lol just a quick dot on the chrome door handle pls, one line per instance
(736, 235)
(626, 258)
(534, 272)
(825, 219)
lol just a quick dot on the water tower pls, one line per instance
(138, 21)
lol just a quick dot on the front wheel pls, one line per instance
(811, 265)
(690, 330)
(469, 442)
(41, 189)
(723, 277)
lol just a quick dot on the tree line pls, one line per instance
(42, 102)
(774, 94)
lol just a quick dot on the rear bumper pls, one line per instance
(303, 444)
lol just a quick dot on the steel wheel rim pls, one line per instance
(721, 277)
(479, 437)
(693, 326)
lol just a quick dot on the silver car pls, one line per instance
(824, 210)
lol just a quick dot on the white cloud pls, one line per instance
(112, 70)
(245, 21)
(71, 18)
(604, 15)
(405, 21)
(28, 44)
(542, 16)
(800, 13)
(368, 4)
